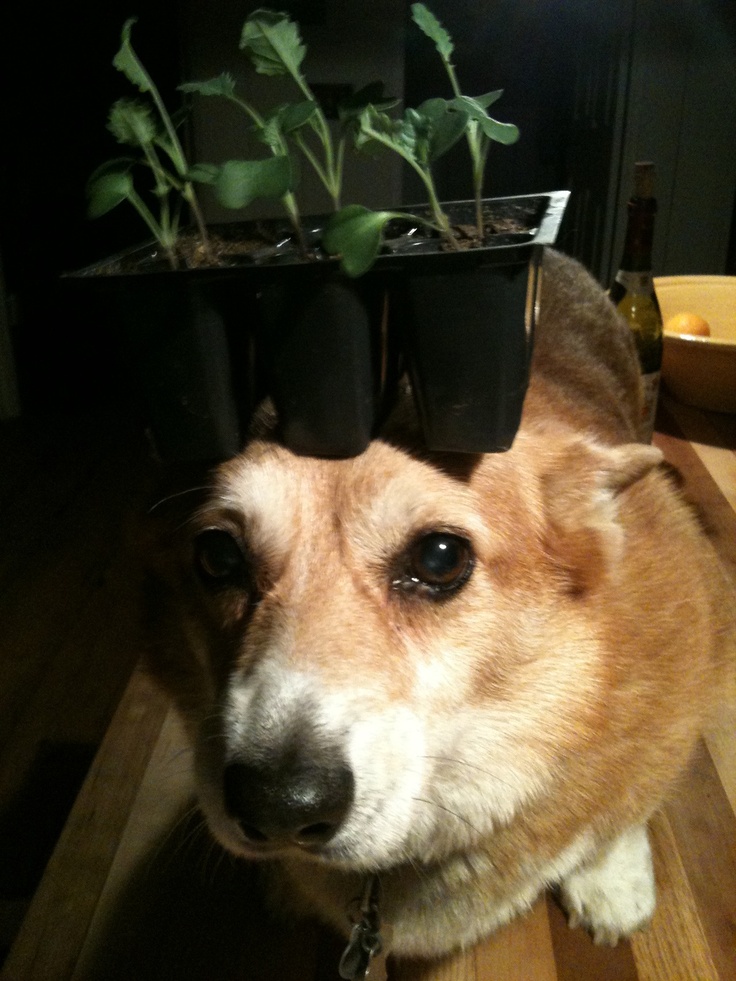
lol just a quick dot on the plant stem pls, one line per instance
(340, 166)
(479, 166)
(176, 154)
(334, 171)
(319, 170)
(439, 214)
(331, 174)
(166, 217)
(163, 185)
(443, 225)
(248, 109)
(292, 209)
(289, 199)
(450, 68)
(475, 145)
(156, 229)
(191, 199)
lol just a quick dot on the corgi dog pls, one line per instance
(471, 678)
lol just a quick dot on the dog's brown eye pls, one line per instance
(218, 557)
(440, 561)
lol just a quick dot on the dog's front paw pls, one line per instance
(614, 895)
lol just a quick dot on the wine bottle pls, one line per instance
(633, 293)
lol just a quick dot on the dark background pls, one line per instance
(57, 86)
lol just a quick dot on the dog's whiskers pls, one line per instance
(448, 810)
(180, 835)
(172, 497)
(494, 775)
(214, 858)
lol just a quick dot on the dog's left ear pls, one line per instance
(582, 488)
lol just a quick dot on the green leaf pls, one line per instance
(356, 234)
(203, 173)
(132, 122)
(108, 187)
(282, 121)
(432, 109)
(488, 99)
(446, 132)
(238, 182)
(272, 40)
(116, 164)
(423, 134)
(164, 141)
(445, 125)
(270, 133)
(294, 116)
(398, 134)
(127, 62)
(223, 85)
(505, 133)
(372, 94)
(427, 22)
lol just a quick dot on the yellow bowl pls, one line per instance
(700, 371)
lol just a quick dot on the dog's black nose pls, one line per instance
(290, 800)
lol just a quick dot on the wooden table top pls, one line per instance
(136, 890)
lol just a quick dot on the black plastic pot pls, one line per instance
(469, 346)
(183, 361)
(210, 343)
(322, 355)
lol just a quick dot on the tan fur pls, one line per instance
(513, 735)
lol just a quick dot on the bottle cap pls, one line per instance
(644, 180)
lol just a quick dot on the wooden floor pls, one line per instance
(135, 889)
(69, 488)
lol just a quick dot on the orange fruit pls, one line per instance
(688, 323)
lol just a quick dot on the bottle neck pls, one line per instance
(637, 255)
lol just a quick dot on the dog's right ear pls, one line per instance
(582, 486)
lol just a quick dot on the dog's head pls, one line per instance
(384, 659)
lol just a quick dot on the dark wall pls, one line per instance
(57, 65)
(58, 83)
(559, 63)
(520, 48)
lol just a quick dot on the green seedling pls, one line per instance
(239, 182)
(482, 129)
(419, 137)
(356, 234)
(273, 43)
(149, 128)
(274, 46)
